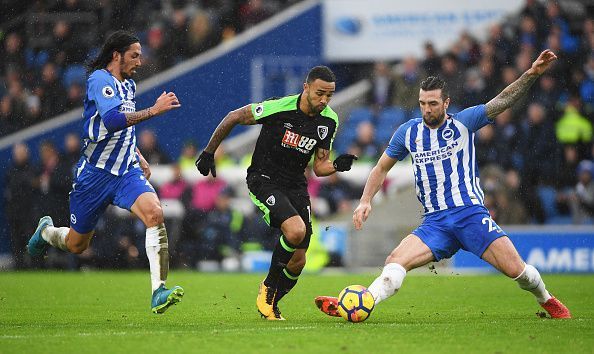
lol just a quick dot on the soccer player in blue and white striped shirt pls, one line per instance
(111, 169)
(442, 149)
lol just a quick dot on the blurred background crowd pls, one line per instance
(536, 160)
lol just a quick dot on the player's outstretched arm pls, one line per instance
(374, 182)
(512, 93)
(205, 162)
(164, 103)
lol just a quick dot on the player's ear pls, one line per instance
(446, 103)
(305, 86)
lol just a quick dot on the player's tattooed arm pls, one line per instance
(512, 93)
(322, 165)
(164, 103)
(241, 116)
(133, 118)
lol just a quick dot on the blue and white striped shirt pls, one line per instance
(444, 159)
(114, 152)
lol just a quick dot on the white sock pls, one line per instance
(56, 236)
(388, 283)
(530, 280)
(157, 252)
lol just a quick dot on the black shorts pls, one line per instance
(280, 203)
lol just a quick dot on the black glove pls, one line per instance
(205, 164)
(344, 162)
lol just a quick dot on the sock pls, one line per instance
(283, 251)
(157, 252)
(388, 283)
(286, 281)
(56, 236)
(531, 281)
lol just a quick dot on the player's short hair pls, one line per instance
(436, 83)
(118, 41)
(320, 72)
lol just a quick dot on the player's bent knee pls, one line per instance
(154, 217)
(78, 247)
(295, 233)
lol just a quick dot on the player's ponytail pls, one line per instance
(119, 41)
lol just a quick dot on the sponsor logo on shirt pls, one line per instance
(298, 142)
(429, 156)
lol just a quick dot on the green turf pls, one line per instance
(105, 312)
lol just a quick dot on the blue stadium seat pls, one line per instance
(548, 200)
(74, 74)
(360, 114)
(392, 115)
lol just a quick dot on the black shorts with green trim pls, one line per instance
(280, 203)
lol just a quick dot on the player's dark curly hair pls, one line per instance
(320, 72)
(435, 83)
(119, 41)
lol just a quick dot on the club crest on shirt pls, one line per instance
(447, 134)
(322, 131)
(108, 92)
(271, 200)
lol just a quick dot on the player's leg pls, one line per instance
(290, 274)
(91, 193)
(280, 213)
(411, 253)
(136, 194)
(147, 208)
(502, 254)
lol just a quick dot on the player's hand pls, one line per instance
(205, 164)
(144, 165)
(344, 162)
(543, 62)
(166, 102)
(361, 214)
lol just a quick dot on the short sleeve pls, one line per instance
(474, 118)
(102, 90)
(272, 106)
(328, 132)
(397, 148)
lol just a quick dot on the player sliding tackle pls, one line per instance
(441, 146)
(294, 128)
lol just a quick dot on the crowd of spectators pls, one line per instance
(535, 157)
(45, 44)
(536, 160)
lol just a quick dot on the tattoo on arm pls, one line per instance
(133, 118)
(322, 155)
(510, 95)
(241, 116)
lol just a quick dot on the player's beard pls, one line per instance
(124, 74)
(434, 122)
(313, 108)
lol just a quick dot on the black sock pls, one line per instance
(286, 281)
(283, 251)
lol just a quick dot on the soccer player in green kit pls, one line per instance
(294, 128)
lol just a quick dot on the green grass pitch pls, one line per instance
(108, 312)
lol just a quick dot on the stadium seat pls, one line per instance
(74, 74)
(548, 200)
(388, 121)
(360, 114)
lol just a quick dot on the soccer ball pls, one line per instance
(355, 303)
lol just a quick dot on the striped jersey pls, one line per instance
(113, 152)
(444, 161)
